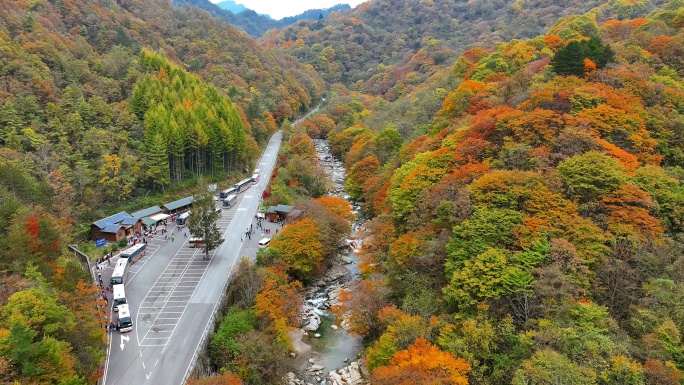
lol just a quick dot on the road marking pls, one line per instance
(123, 337)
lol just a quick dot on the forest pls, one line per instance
(518, 166)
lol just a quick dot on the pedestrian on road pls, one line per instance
(185, 233)
(173, 236)
(99, 276)
(106, 299)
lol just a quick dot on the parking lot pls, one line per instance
(166, 301)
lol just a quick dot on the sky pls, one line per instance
(278, 9)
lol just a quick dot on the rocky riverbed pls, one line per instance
(325, 351)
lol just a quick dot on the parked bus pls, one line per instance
(125, 320)
(119, 296)
(264, 242)
(255, 178)
(243, 185)
(219, 212)
(183, 218)
(257, 171)
(226, 193)
(120, 272)
(134, 252)
(230, 201)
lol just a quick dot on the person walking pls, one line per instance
(173, 236)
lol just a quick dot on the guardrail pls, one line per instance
(85, 259)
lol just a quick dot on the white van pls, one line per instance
(125, 320)
(264, 242)
(119, 296)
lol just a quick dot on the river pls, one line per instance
(332, 348)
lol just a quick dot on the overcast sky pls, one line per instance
(278, 9)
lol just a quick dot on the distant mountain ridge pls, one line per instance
(232, 6)
(251, 22)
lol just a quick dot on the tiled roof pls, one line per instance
(147, 212)
(116, 218)
(112, 228)
(179, 203)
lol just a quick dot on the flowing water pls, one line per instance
(335, 348)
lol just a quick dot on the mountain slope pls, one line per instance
(382, 41)
(535, 228)
(253, 23)
(231, 6)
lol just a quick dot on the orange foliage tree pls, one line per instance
(359, 173)
(337, 206)
(629, 206)
(277, 302)
(422, 363)
(300, 247)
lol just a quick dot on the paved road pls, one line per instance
(172, 293)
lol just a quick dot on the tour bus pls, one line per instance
(134, 252)
(226, 193)
(257, 171)
(255, 178)
(120, 272)
(230, 201)
(243, 185)
(125, 320)
(264, 242)
(183, 218)
(119, 296)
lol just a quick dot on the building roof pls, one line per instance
(147, 221)
(159, 217)
(179, 203)
(116, 218)
(147, 212)
(271, 209)
(112, 228)
(129, 221)
(283, 209)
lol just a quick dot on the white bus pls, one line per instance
(119, 296)
(125, 321)
(243, 185)
(134, 252)
(230, 201)
(120, 272)
(257, 171)
(255, 178)
(183, 218)
(264, 242)
(226, 193)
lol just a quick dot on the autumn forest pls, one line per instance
(517, 167)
